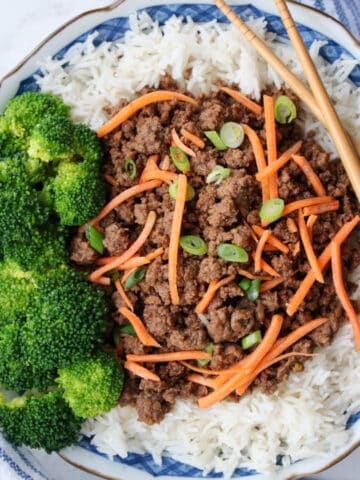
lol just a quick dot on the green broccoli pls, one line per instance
(87, 145)
(39, 421)
(45, 250)
(79, 192)
(25, 111)
(65, 320)
(52, 139)
(10, 145)
(92, 386)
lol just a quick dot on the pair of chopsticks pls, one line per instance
(317, 100)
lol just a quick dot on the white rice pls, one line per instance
(305, 417)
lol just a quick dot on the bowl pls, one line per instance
(111, 24)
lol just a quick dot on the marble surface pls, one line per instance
(24, 24)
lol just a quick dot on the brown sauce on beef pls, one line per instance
(218, 214)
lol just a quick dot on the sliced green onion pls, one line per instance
(95, 238)
(135, 277)
(244, 284)
(130, 168)
(180, 159)
(272, 210)
(215, 139)
(253, 292)
(251, 340)
(285, 109)
(193, 245)
(173, 189)
(209, 349)
(218, 174)
(232, 253)
(126, 328)
(232, 134)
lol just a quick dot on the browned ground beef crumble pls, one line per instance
(218, 214)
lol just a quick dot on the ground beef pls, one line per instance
(219, 213)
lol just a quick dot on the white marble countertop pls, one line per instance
(24, 24)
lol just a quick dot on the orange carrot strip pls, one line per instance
(178, 143)
(310, 224)
(279, 163)
(156, 253)
(251, 276)
(130, 109)
(270, 132)
(127, 274)
(341, 291)
(111, 180)
(214, 285)
(271, 284)
(324, 208)
(259, 158)
(259, 249)
(192, 138)
(305, 202)
(296, 250)
(272, 240)
(122, 197)
(201, 380)
(266, 267)
(134, 262)
(140, 329)
(270, 248)
(141, 371)
(158, 174)
(239, 97)
(291, 225)
(106, 281)
(310, 174)
(123, 295)
(175, 237)
(310, 254)
(323, 260)
(134, 248)
(105, 260)
(170, 357)
(165, 164)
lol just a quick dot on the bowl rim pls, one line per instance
(108, 8)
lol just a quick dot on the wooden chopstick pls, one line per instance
(345, 148)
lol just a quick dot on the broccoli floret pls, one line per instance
(45, 250)
(21, 209)
(92, 386)
(10, 145)
(25, 111)
(64, 321)
(40, 421)
(87, 144)
(52, 139)
(79, 192)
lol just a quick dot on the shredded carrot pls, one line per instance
(206, 371)
(271, 284)
(134, 262)
(259, 249)
(270, 248)
(111, 180)
(252, 276)
(140, 330)
(279, 163)
(213, 287)
(163, 175)
(165, 164)
(106, 281)
(310, 225)
(134, 248)
(123, 295)
(127, 274)
(130, 109)
(105, 260)
(201, 380)
(266, 267)
(310, 174)
(270, 132)
(141, 371)
(122, 197)
(178, 143)
(192, 138)
(175, 237)
(341, 290)
(305, 202)
(170, 357)
(272, 240)
(291, 225)
(156, 253)
(259, 158)
(310, 254)
(297, 249)
(323, 260)
(324, 208)
(254, 107)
